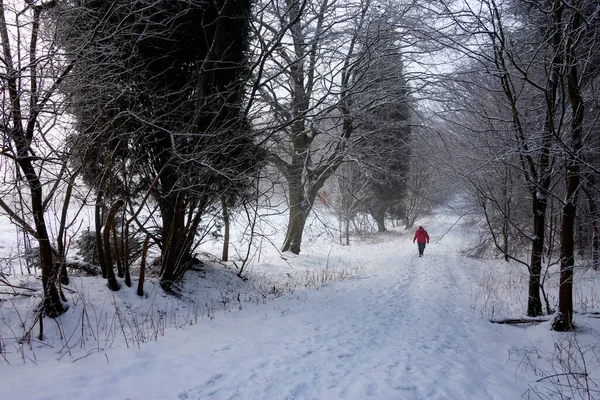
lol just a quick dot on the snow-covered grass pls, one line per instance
(99, 319)
(370, 320)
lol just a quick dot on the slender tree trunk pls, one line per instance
(225, 255)
(174, 236)
(564, 318)
(140, 288)
(540, 201)
(505, 238)
(98, 225)
(60, 239)
(347, 223)
(506, 214)
(118, 252)
(595, 220)
(595, 234)
(52, 304)
(172, 208)
(126, 253)
(534, 302)
(108, 228)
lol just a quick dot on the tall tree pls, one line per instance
(159, 96)
(310, 96)
(31, 71)
(309, 140)
(580, 31)
(532, 52)
(383, 120)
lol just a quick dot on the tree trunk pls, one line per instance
(409, 222)
(108, 227)
(540, 201)
(126, 254)
(98, 226)
(534, 302)
(295, 229)
(506, 213)
(173, 238)
(52, 305)
(505, 238)
(60, 239)
(378, 214)
(225, 256)
(595, 235)
(303, 187)
(140, 288)
(347, 223)
(118, 251)
(300, 206)
(595, 220)
(564, 318)
(177, 236)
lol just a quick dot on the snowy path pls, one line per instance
(404, 331)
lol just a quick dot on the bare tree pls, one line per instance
(580, 39)
(32, 71)
(345, 195)
(310, 96)
(421, 190)
(531, 51)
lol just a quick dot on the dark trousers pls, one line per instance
(421, 248)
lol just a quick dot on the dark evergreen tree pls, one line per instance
(384, 122)
(158, 95)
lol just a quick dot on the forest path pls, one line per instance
(406, 329)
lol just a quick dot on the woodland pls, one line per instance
(164, 119)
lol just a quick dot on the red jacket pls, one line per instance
(421, 236)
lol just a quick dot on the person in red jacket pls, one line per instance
(422, 237)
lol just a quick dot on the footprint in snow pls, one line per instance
(371, 389)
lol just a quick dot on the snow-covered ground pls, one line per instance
(399, 327)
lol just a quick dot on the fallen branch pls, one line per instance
(17, 294)
(10, 285)
(592, 315)
(89, 269)
(581, 374)
(516, 321)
